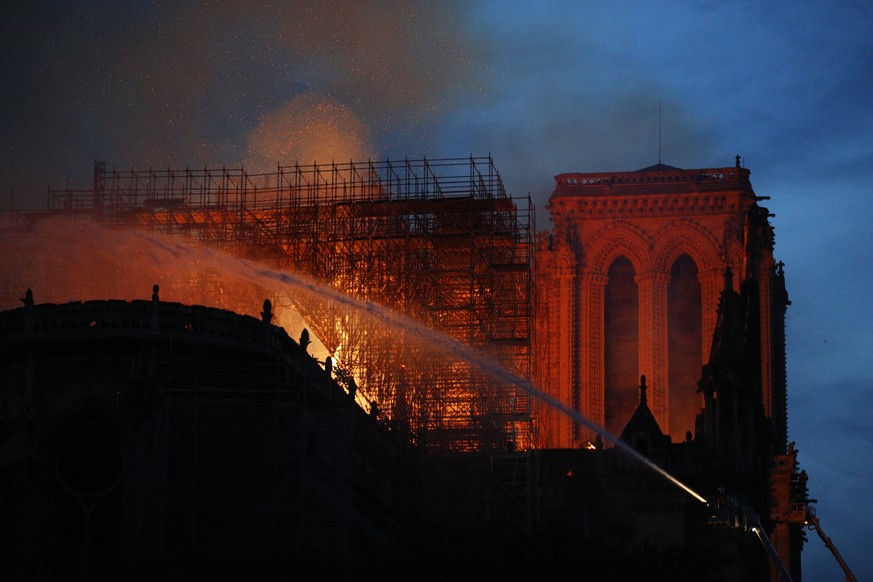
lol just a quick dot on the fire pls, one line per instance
(228, 239)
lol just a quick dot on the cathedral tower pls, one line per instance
(629, 284)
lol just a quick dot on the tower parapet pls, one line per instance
(675, 179)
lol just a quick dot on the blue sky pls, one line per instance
(543, 87)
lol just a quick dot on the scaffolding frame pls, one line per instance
(437, 240)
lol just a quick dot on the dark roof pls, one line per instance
(659, 167)
(642, 422)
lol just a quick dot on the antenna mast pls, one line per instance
(659, 131)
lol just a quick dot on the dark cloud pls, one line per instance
(164, 84)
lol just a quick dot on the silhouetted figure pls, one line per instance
(28, 310)
(155, 321)
(304, 339)
(267, 313)
(353, 389)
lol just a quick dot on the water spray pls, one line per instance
(161, 250)
(463, 352)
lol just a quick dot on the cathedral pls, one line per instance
(653, 310)
(669, 274)
(630, 282)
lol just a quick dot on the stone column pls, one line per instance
(765, 270)
(653, 341)
(563, 305)
(591, 381)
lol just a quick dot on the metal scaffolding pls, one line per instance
(439, 241)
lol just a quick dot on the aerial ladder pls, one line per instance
(725, 510)
(810, 520)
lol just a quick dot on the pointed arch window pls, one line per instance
(684, 346)
(621, 344)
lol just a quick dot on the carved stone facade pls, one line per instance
(669, 274)
(657, 219)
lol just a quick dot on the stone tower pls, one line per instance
(629, 284)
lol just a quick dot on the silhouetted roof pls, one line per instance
(642, 422)
(659, 167)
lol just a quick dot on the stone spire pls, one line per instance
(642, 430)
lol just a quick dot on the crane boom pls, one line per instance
(812, 522)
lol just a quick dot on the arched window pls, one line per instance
(88, 468)
(621, 345)
(684, 346)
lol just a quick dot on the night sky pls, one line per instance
(544, 88)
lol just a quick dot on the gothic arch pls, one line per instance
(736, 261)
(686, 237)
(614, 240)
(620, 239)
(565, 258)
(71, 408)
(87, 426)
(86, 457)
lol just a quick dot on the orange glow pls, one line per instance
(309, 128)
(408, 248)
(103, 263)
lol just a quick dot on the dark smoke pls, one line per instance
(220, 84)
